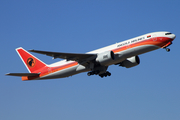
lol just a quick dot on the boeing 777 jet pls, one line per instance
(96, 62)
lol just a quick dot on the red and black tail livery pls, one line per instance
(32, 63)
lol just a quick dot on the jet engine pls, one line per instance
(105, 58)
(130, 62)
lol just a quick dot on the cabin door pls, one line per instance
(154, 37)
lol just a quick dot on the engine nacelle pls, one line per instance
(105, 58)
(130, 62)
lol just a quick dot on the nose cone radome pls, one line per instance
(173, 36)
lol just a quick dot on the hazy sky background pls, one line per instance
(149, 91)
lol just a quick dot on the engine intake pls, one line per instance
(105, 58)
(130, 62)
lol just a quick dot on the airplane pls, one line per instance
(96, 62)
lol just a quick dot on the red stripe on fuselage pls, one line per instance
(158, 41)
(50, 70)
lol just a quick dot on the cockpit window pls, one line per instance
(168, 33)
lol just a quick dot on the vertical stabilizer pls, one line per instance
(31, 62)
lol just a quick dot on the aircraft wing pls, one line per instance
(80, 58)
(23, 74)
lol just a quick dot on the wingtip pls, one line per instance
(7, 74)
(31, 50)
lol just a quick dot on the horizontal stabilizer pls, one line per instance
(23, 74)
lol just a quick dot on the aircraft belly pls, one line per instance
(62, 73)
(121, 56)
(143, 49)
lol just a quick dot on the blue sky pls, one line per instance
(147, 91)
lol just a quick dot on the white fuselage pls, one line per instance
(122, 51)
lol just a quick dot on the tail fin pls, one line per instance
(31, 62)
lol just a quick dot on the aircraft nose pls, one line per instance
(173, 36)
